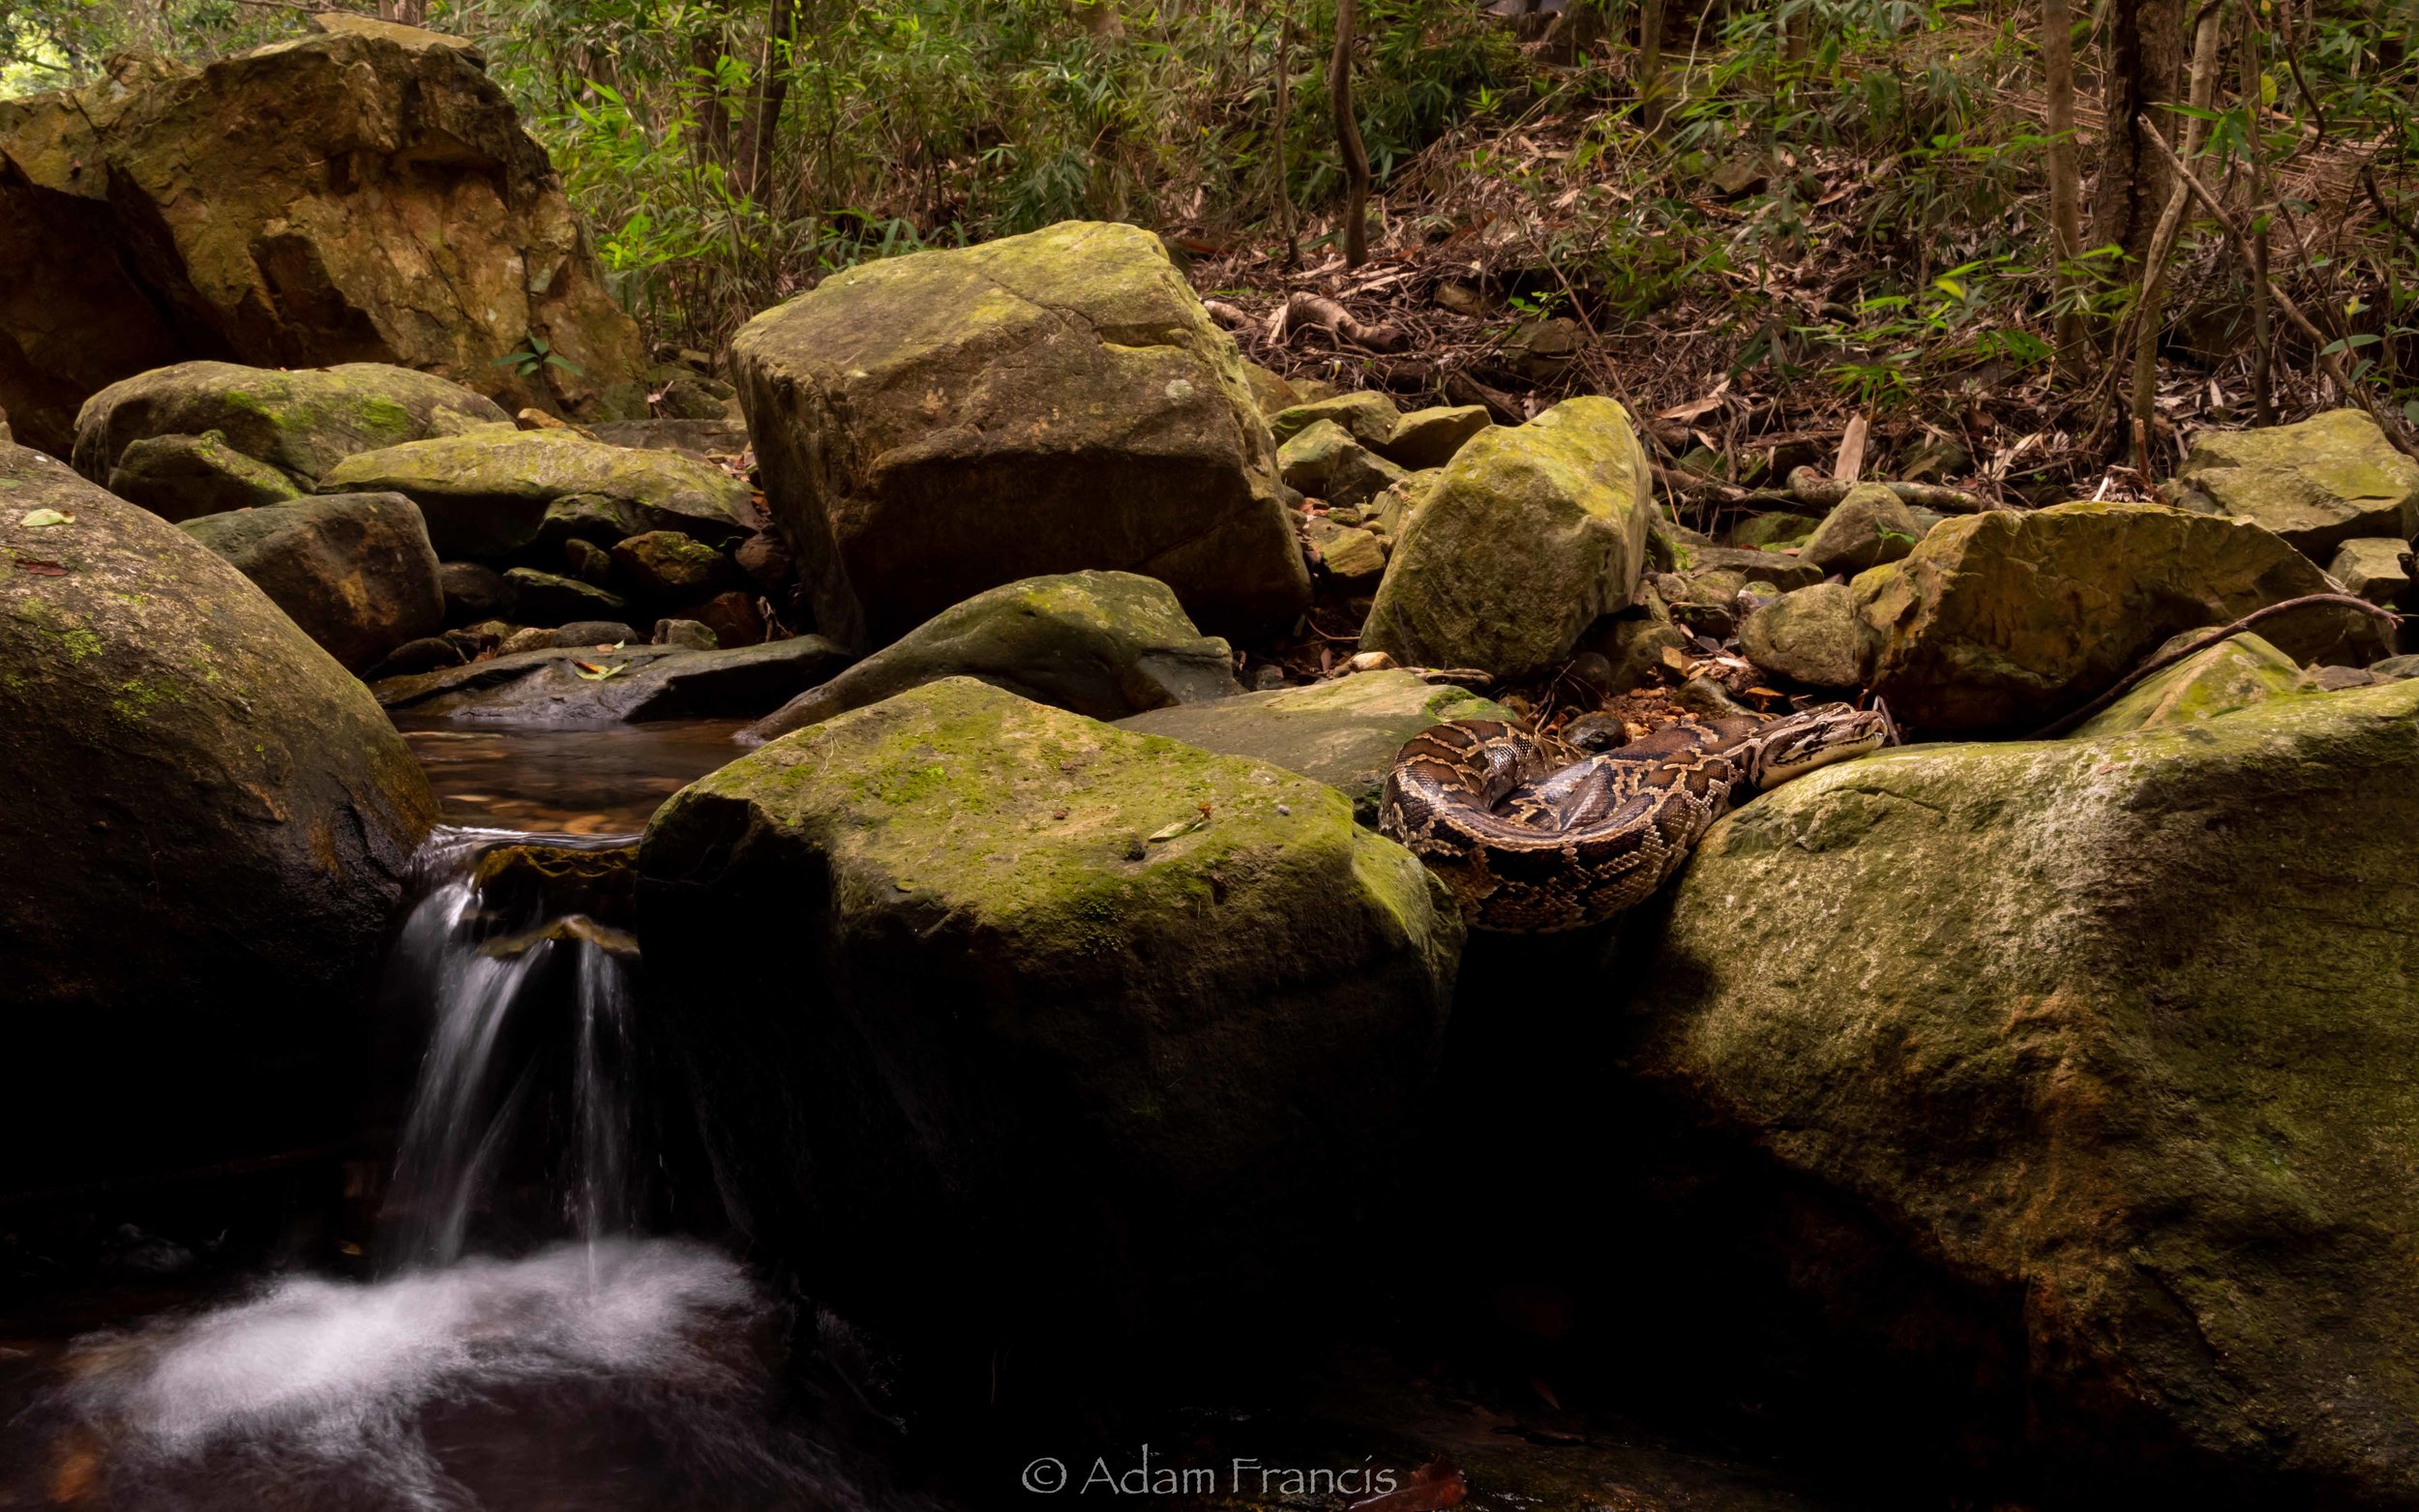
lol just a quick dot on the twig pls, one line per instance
(2160, 664)
(2285, 301)
(1807, 485)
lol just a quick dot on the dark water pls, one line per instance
(571, 782)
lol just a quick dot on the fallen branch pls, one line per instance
(2160, 664)
(2241, 237)
(1809, 486)
(1317, 310)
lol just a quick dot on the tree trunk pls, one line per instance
(2149, 312)
(2146, 70)
(1284, 119)
(1348, 141)
(713, 115)
(772, 92)
(2066, 179)
(2255, 150)
(1651, 64)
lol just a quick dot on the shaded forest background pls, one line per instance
(1947, 231)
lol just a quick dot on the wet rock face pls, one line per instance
(207, 823)
(1042, 1019)
(2113, 1034)
(367, 196)
(932, 426)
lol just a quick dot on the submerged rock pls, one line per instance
(149, 431)
(487, 494)
(2003, 620)
(2111, 1038)
(324, 198)
(2317, 483)
(579, 684)
(1015, 1021)
(1344, 734)
(355, 570)
(207, 823)
(932, 426)
(1102, 645)
(1530, 535)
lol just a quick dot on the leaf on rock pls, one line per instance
(591, 671)
(1180, 827)
(38, 519)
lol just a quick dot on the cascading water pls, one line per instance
(592, 1367)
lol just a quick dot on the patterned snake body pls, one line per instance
(1535, 836)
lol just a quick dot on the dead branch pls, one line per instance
(2160, 664)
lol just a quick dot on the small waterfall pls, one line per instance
(484, 959)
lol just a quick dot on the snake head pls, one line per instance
(1790, 748)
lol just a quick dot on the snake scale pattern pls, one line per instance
(1533, 835)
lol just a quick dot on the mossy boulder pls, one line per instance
(2234, 674)
(2317, 483)
(664, 563)
(2001, 621)
(583, 681)
(1813, 636)
(1763, 532)
(1344, 734)
(1102, 645)
(932, 426)
(1430, 437)
(325, 198)
(2110, 1040)
(1870, 527)
(1365, 415)
(207, 823)
(1530, 535)
(184, 477)
(1324, 462)
(1017, 1022)
(2376, 568)
(487, 494)
(299, 423)
(355, 570)
(543, 598)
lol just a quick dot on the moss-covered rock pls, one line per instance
(2113, 1039)
(1762, 532)
(1324, 462)
(542, 597)
(2317, 484)
(183, 477)
(324, 198)
(1344, 734)
(300, 422)
(207, 821)
(2002, 621)
(932, 426)
(583, 681)
(1102, 645)
(2376, 568)
(664, 563)
(1528, 537)
(1870, 527)
(1430, 437)
(1812, 635)
(1347, 554)
(1012, 1019)
(2234, 674)
(1365, 415)
(487, 494)
(355, 570)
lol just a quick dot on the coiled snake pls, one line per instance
(1533, 835)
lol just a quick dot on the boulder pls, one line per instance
(932, 426)
(2317, 483)
(1347, 553)
(688, 635)
(363, 197)
(2102, 1048)
(552, 598)
(1016, 1022)
(1812, 635)
(1868, 527)
(574, 683)
(733, 616)
(355, 570)
(487, 493)
(1762, 532)
(1530, 535)
(1344, 734)
(2003, 620)
(299, 424)
(700, 438)
(1781, 569)
(1365, 415)
(2376, 568)
(182, 477)
(589, 562)
(2234, 674)
(1102, 645)
(661, 563)
(1324, 462)
(473, 592)
(1430, 437)
(208, 822)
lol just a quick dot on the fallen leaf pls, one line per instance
(38, 519)
(1180, 827)
(41, 569)
(590, 672)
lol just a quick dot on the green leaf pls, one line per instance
(1180, 827)
(591, 671)
(40, 518)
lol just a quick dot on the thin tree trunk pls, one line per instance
(1284, 118)
(772, 92)
(1348, 141)
(2066, 179)
(1651, 64)
(2255, 94)
(713, 115)
(2148, 305)
(2146, 70)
